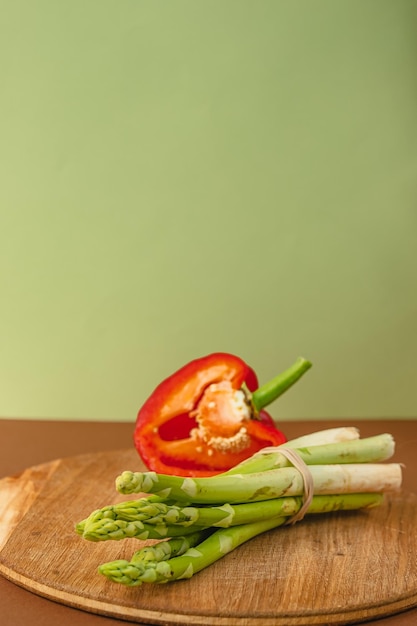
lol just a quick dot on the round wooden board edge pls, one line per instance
(145, 616)
(22, 488)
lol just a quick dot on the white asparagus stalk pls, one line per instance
(357, 477)
(321, 437)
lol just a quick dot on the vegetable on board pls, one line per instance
(209, 416)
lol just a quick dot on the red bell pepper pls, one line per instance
(208, 416)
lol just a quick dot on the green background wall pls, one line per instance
(188, 176)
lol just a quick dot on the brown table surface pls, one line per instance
(24, 443)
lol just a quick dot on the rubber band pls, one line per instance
(299, 464)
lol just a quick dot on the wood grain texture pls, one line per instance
(339, 568)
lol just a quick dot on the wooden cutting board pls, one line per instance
(339, 568)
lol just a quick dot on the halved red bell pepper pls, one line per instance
(208, 416)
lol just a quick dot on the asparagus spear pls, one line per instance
(192, 561)
(190, 518)
(275, 483)
(105, 529)
(368, 450)
(164, 550)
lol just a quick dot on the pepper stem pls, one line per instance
(276, 387)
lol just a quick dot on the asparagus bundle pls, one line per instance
(199, 520)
